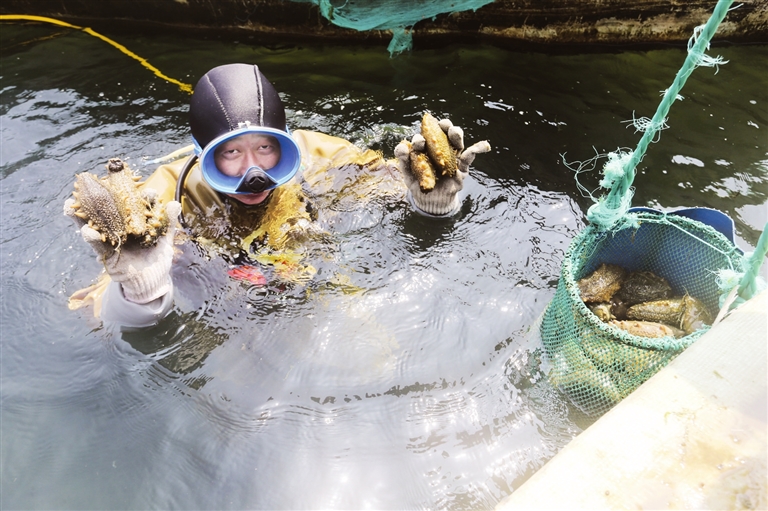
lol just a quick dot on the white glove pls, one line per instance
(443, 198)
(144, 274)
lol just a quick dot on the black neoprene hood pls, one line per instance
(229, 96)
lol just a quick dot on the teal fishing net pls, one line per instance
(597, 362)
(399, 16)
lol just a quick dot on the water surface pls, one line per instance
(404, 376)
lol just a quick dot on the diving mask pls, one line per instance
(255, 179)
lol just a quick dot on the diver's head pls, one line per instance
(238, 125)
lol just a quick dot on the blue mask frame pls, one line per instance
(286, 168)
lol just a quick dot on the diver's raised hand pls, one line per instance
(130, 230)
(434, 164)
(143, 272)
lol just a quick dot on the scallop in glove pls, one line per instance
(130, 231)
(434, 164)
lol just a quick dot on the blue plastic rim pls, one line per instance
(718, 220)
(286, 168)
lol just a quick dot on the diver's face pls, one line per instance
(236, 156)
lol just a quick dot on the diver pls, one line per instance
(240, 185)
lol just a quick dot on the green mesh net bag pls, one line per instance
(595, 363)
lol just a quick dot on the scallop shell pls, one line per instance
(423, 170)
(115, 207)
(439, 149)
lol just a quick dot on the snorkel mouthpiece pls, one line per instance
(255, 180)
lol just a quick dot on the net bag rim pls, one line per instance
(581, 243)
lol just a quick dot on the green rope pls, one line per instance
(620, 170)
(749, 286)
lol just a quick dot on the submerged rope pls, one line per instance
(15, 17)
(610, 212)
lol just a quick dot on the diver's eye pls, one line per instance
(230, 153)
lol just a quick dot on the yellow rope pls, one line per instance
(13, 17)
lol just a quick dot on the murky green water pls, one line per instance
(422, 392)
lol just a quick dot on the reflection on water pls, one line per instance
(407, 373)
